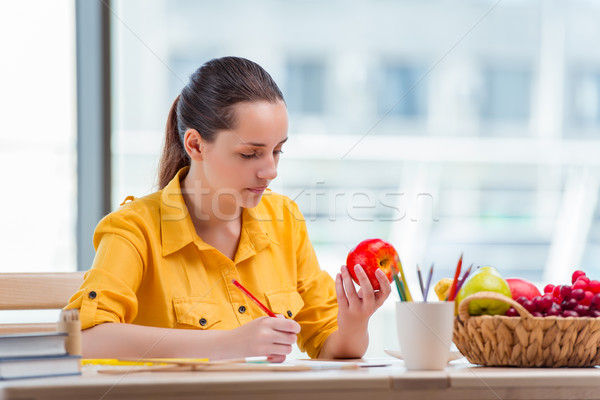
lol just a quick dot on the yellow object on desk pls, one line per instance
(154, 362)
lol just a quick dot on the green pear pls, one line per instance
(485, 279)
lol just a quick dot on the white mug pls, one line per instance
(425, 333)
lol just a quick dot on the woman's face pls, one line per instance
(240, 163)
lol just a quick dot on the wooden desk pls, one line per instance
(458, 381)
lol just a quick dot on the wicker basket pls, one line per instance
(525, 341)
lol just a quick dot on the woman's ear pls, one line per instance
(192, 141)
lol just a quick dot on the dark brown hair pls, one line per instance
(206, 105)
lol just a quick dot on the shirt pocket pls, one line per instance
(197, 312)
(286, 301)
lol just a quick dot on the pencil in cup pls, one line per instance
(254, 299)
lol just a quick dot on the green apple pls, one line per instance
(485, 279)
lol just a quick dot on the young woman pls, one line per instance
(161, 281)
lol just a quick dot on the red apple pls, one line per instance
(521, 287)
(373, 254)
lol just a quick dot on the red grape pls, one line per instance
(545, 302)
(576, 275)
(595, 313)
(529, 306)
(594, 286)
(581, 310)
(580, 284)
(587, 300)
(522, 300)
(556, 292)
(565, 292)
(548, 288)
(569, 313)
(554, 309)
(569, 304)
(578, 294)
(537, 314)
(595, 303)
(511, 312)
(584, 278)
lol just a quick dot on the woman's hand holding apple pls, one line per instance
(354, 310)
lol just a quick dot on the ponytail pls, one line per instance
(174, 156)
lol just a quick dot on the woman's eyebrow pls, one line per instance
(262, 144)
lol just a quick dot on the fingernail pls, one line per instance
(357, 267)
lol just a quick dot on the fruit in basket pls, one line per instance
(521, 287)
(442, 288)
(373, 254)
(489, 280)
(581, 299)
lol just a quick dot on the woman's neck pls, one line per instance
(207, 210)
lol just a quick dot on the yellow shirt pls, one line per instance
(151, 268)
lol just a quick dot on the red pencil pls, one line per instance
(452, 293)
(254, 299)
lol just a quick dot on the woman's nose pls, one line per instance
(269, 169)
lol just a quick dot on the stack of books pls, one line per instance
(34, 355)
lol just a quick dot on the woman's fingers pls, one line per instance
(341, 294)
(351, 294)
(384, 287)
(368, 296)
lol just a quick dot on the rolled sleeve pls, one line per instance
(108, 293)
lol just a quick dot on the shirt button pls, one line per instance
(92, 295)
(289, 313)
(202, 321)
(242, 309)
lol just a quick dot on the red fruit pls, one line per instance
(511, 312)
(576, 275)
(578, 294)
(594, 313)
(537, 314)
(548, 288)
(529, 306)
(580, 284)
(569, 304)
(594, 286)
(565, 292)
(521, 287)
(373, 254)
(569, 313)
(595, 302)
(581, 310)
(545, 302)
(554, 310)
(587, 300)
(522, 300)
(556, 293)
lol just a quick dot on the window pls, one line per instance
(401, 92)
(305, 87)
(37, 137)
(507, 94)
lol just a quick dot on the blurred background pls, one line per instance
(442, 126)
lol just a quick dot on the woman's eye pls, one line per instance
(278, 152)
(247, 156)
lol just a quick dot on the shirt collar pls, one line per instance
(177, 229)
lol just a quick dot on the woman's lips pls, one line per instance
(257, 190)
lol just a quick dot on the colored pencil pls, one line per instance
(403, 279)
(398, 285)
(428, 283)
(254, 299)
(463, 279)
(452, 292)
(421, 282)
